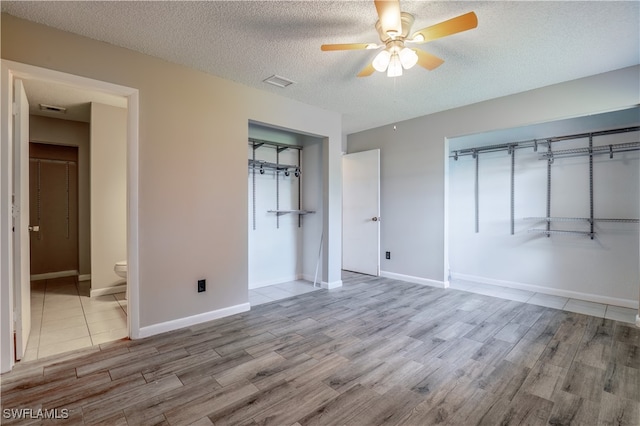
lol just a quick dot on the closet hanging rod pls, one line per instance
(533, 143)
(262, 166)
(256, 143)
(603, 149)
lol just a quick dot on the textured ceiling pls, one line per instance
(517, 46)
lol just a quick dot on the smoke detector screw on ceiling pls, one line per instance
(276, 80)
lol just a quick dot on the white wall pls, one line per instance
(108, 194)
(312, 199)
(413, 160)
(603, 269)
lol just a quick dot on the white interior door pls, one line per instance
(361, 212)
(22, 275)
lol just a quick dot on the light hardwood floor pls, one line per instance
(376, 351)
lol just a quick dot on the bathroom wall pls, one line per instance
(108, 195)
(71, 133)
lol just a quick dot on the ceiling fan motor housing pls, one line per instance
(407, 21)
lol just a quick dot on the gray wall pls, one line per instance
(413, 164)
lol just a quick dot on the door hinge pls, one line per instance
(15, 108)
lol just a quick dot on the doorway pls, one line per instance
(10, 301)
(361, 212)
(53, 210)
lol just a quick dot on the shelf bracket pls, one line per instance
(512, 152)
(476, 190)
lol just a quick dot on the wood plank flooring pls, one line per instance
(374, 352)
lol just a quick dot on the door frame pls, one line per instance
(9, 71)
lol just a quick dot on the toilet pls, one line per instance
(120, 269)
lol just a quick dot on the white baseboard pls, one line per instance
(274, 281)
(52, 275)
(163, 327)
(84, 277)
(95, 292)
(590, 297)
(415, 280)
(329, 286)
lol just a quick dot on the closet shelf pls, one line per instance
(281, 212)
(580, 219)
(558, 231)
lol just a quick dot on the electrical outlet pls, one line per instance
(202, 285)
(388, 255)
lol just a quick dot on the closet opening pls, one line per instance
(548, 213)
(285, 213)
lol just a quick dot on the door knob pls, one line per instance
(375, 218)
(34, 228)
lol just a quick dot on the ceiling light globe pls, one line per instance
(408, 58)
(395, 66)
(381, 61)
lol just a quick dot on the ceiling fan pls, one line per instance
(393, 27)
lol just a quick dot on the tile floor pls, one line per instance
(64, 317)
(258, 296)
(599, 310)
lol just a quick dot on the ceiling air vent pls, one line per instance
(276, 80)
(52, 108)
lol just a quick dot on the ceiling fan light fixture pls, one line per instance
(381, 61)
(408, 58)
(395, 66)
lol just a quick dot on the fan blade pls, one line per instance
(389, 14)
(452, 26)
(367, 71)
(348, 46)
(427, 60)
